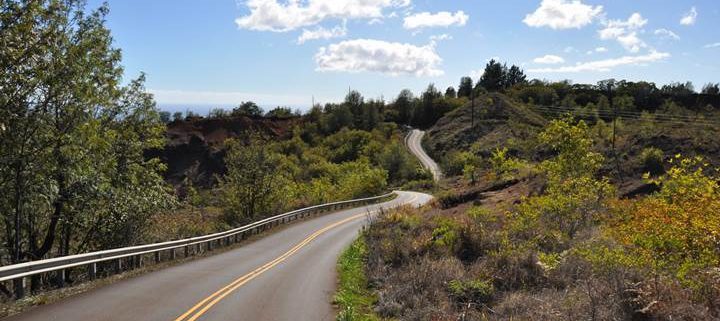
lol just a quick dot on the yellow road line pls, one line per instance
(214, 298)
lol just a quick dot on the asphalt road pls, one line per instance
(413, 141)
(289, 275)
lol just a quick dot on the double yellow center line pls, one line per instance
(203, 306)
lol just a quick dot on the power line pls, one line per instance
(630, 115)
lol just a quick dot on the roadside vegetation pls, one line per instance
(561, 214)
(82, 157)
(354, 299)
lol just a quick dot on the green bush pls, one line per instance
(473, 291)
(652, 160)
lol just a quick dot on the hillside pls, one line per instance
(504, 123)
(497, 120)
(195, 146)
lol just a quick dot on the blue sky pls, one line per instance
(280, 52)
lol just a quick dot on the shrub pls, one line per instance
(652, 160)
(472, 291)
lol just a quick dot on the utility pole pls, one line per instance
(472, 109)
(614, 111)
(614, 151)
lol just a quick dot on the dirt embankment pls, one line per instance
(195, 147)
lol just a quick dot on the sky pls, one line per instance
(200, 53)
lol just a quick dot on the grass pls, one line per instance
(354, 298)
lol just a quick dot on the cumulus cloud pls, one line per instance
(625, 32)
(562, 14)
(549, 59)
(323, 33)
(369, 55)
(271, 15)
(665, 33)
(607, 64)
(430, 20)
(689, 17)
(712, 45)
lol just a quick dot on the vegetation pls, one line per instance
(569, 249)
(73, 173)
(353, 297)
(79, 167)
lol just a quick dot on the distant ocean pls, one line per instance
(204, 109)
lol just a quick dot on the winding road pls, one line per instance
(414, 142)
(287, 275)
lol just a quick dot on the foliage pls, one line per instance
(73, 168)
(652, 160)
(677, 228)
(253, 184)
(247, 108)
(353, 297)
(473, 291)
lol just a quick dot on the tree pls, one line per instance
(515, 76)
(217, 113)
(404, 106)
(73, 168)
(280, 112)
(493, 78)
(165, 117)
(355, 101)
(466, 87)
(711, 89)
(251, 187)
(247, 108)
(450, 92)
(177, 116)
(425, 115)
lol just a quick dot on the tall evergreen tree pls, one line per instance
(466, 87)
(494, 76)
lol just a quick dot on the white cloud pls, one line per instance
(712, 45)
(665, 33)
(569, 49)
(689, 18)
(430, 20)
(549, 59)
(441, 37)
(323, 33)
(562, 14)
(271, 15)
(369, 55)
(597, 50)
(625, 32)
(606, 65)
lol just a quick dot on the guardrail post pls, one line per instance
(157, 257)
(61, 277)
(19, 284)
(187, 250)
(92, 270)
(209, 246)
(118, 266)
(173, 254)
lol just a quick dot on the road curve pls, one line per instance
(413, 141)
(289, 275)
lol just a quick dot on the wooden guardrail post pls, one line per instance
(61, 278)
(118, 266)
(19, 284)
(92, 271)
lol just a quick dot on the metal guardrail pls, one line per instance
(19, 272)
